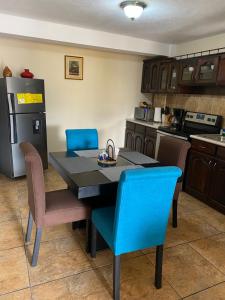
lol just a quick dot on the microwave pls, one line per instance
(144, 114)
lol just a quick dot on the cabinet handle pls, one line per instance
(210, 163)
(214, 165)
(202, 147)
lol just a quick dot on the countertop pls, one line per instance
(216, 139)
(148, 124)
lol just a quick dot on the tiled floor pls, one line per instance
(194, 259)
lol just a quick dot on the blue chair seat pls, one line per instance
(105, 216)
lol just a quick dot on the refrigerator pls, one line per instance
(22, 118)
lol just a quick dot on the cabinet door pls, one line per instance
(145, 77)
(129, 139)
(217, 184)
(221, 72)
(207, 68)
(139, 140)
(163, 77)
(173, 77)
(188, 69)
(154, 74)
(198, 174)
(149, 147)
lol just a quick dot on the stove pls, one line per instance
(194, 123)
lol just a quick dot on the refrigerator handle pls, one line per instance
(11, 105)
(13, 133)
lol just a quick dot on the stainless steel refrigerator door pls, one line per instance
(30, 128)
(30, 88)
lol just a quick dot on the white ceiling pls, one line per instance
(168, 21)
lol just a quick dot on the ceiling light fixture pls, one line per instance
(133, 9)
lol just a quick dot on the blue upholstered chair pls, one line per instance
(140, 218)
(81, 139)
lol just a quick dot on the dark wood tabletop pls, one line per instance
(87, 179)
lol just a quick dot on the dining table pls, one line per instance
(92, 182)
(86, 178)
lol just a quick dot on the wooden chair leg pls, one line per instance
(116, 277)
(29, 227)
(93, 240)
(36, 247)
(158, 266)
(174, 213)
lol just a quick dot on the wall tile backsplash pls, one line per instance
(199, 103)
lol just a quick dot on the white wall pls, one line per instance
(103, 100)
(213, 42)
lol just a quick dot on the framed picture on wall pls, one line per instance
(73, 67)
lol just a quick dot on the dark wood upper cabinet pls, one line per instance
(187, 71)
(146, 77)
(163, 77)
(221, 71)
(193, 75)
(173, 77)
(206, 70)
(154, 74)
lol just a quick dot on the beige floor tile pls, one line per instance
(188, 203)
(214, 293)
(13, 270)
(213, 249)
(51, 233)
(86, 285)
(8, 209)
(212, 217)
(187, 271)
(57, 259)
(10, 235)
(190, 228)
(137, 281)
(19, 295)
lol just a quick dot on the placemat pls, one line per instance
(113, 174)
(88, 153)
(78, 164)
(138, 158)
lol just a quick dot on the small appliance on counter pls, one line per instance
(144, 114)
(158, 115)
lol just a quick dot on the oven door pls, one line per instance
(162, 133)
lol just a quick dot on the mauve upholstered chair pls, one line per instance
(81, 139)
(47, 208)
(173, 152)
(140, 218)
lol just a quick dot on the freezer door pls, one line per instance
(25, 95)
(30, 128)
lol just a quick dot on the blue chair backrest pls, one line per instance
(81, 139)
(144, 199)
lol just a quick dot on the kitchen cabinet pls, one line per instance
(187, 71)
(150, 142)
(221, 71)
(163, 77)
(207, 69)
(140, 138)
(198, 174)
(129, 135)
(205, 173)
(172, 85)
(146, 77)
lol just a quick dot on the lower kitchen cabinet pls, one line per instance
(140, 138)
(205, 175)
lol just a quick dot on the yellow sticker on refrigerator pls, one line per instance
(28, 98)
